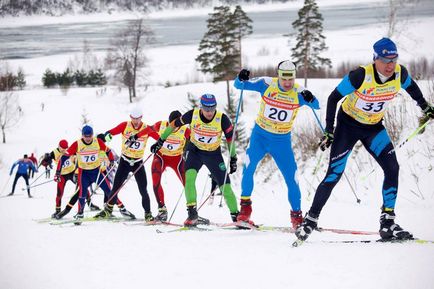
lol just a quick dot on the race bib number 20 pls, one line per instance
(277, 114)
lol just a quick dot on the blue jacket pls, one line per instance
(23, 166)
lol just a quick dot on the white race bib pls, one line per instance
(277, 114)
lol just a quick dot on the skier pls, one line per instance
(281, 98)
(133, 149)
(88, 161)
(170, 155)
(23, 166)
(35, 163)
(47, 163)
(207, 125)
(367, 91)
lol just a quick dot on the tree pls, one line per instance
(49, 78)
(218, 47)
(10, 112)
(127, 53)
(243, 27)
(310, 41)
(21, 79)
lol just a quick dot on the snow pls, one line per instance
(113, 255)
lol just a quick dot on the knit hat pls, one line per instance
(136, 113)
(174, 115)
(87, 130)
(385, 48)
(208, 101)
(286, 69)
(63, 144)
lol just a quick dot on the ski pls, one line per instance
(298, 242)
(184, 229)
(88, 219)
(141, 222)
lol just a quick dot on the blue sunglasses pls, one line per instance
(388, 60)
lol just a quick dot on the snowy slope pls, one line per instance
(109, 255)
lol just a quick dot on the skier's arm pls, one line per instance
(13, 166)
(412, 88)
(184, 119)
(228, 130)
(148, 131)
(106, 149)
(348, 84)
(259, 84)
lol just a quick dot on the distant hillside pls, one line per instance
(61, 7)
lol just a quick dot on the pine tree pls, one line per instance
(80, 77)
(218, 47)
(310, 41)
(49, 78)
(243, 27)
(20, 78)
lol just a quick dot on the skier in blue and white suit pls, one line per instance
(281, 99)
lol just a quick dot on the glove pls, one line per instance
(307, 96)
(326, 141)
(108, 136)
(429, 111)
(75, 178)
(243, 75)
(131, 139)
(233, 165)
(157, 146)
(57, 178)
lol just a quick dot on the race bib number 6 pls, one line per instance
(171, 146)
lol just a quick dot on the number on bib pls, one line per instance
(277, 114)
(371, 107)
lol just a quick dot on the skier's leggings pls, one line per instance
(376, 141)
(124, 169)
(61, 187)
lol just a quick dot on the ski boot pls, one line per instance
(78, 218)
(309, 224)
(63, 213)
(234, 216)
(296, 219)
(246, 211)
(162, 214)
(149, 218)
(194, 219)
(126, 213)
(105, 213)
(94, 207)
(53, 216)
(389, 230)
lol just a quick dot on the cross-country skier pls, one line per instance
(367, 91)
(133, 149)
(207, 125)
(23, 166)
(170, 155)
(281, 98)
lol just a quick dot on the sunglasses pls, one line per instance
(208, 108)
(388, 60)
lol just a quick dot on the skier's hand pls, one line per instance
(108, 136)
(57, 178)
(429, 111)
(326, 141)
(307, 96)
(157, 146)
(244, 75)
(233, 165)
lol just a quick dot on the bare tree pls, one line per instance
(10, 111)
(127, 55)
(392, 17)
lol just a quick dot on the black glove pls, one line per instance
(243, 75)
(75, 178)
(233, 165)
(307, 96)
(429, 111)
(326, 141)
(157, 146)
(57, 178)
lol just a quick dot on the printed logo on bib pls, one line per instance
(374, 104)
(278, 111)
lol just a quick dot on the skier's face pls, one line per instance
(386, 65)
(286, 83)
(136, 121)
(208, 114)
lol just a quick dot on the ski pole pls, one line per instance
(129, 177)
(36, 179)
(176, 205)
(43, 183)
(410, 137)
(240, 101)
(345, 175)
